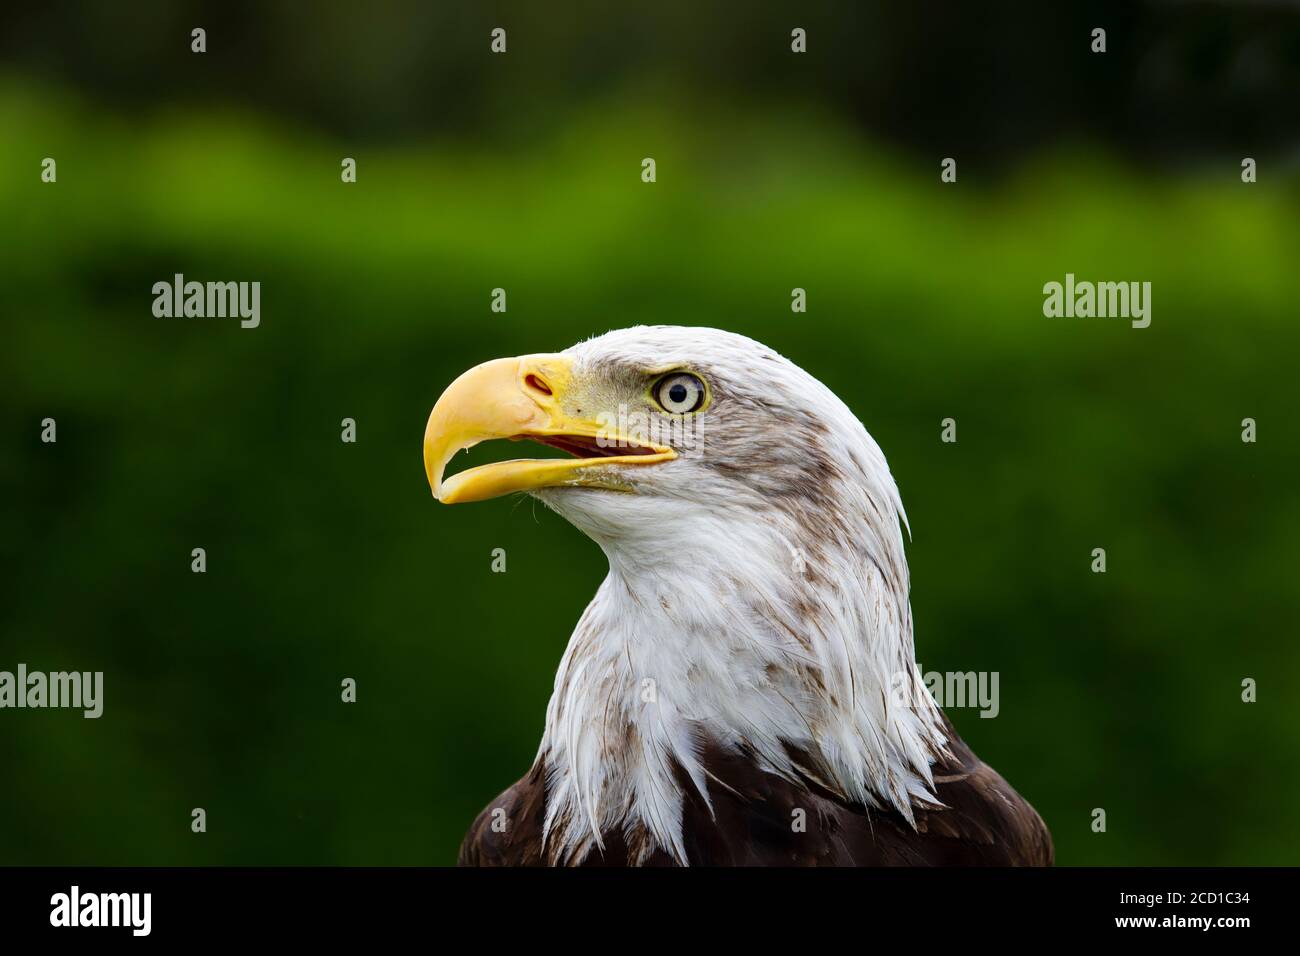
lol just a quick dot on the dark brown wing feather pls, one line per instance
(983, 822)
(509, 830)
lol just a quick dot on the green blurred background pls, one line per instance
(329, 560)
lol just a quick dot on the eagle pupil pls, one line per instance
(677, 393)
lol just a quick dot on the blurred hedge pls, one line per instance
(328, 560)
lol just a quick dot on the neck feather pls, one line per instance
(783, 638)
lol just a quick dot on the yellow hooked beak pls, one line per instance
(516, 398)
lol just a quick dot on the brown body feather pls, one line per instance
(983, 822)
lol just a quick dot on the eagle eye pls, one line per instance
(679, 393)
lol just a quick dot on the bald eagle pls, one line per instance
(742, 690)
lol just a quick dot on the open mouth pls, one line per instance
(586, 446)
(588, 467)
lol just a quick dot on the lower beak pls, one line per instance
(522, 398)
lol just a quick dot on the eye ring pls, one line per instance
(680, 393)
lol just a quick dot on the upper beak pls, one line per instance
(521, 397)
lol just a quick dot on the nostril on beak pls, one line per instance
(537, 384)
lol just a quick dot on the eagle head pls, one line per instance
(757, 596)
